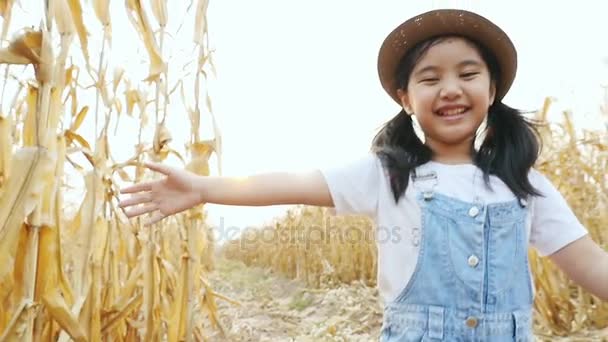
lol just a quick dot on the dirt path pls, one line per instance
(274, 308)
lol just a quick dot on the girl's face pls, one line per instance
(449, 90)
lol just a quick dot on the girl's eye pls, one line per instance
(469, 74)
(429, 80)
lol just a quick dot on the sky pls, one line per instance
(296, 85)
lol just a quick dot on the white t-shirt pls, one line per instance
(362, 187)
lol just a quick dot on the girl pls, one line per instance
(462, 204)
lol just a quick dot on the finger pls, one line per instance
(155, 217)
(144, 209)
(147, 186)
(158, 167)
(135, 200)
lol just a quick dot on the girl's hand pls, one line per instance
(174, 193)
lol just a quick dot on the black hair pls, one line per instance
(510, 148)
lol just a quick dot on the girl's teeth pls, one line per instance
(453, 112)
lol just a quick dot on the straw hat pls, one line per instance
(446, 22)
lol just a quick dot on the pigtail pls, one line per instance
(400, 151)
(510, 149)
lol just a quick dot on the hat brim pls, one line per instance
(440, 23)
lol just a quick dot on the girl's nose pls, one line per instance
(450, 90)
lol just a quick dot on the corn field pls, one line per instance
(325, 250)
(92, 275)
(88, 274)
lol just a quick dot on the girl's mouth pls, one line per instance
(452, 113)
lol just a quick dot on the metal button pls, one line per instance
(473, 211)
(471, 322)
(473, 260)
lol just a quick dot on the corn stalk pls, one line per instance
(38, 271)
(117, 280)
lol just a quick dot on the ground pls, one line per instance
(274, 308)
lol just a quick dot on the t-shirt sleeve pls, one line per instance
(354, 187)
(554, 224)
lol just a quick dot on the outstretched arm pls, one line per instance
(180, 190)
(586, 264)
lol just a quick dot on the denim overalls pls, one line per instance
(471, 281)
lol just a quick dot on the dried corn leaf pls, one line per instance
(542, 114)
(124, 176)
(162, 138)
(102, 11)
(62, 17)
(138, 18)
(130, 287)
(81, 229)
(6, 9)
(15, 330)
(6, 148)
(45, 68)
(71, 74)
(177, 320)
(79, 118)
(59, 210)
(118, 75)
(11, 275)
(59, 311)
(128, 308)
(100, 235)
(199, 163)
(200, 21)
(102, 153)
(23, 49)
(20, 196)
(48, 262)
(9, 57)
(177, 155)
(50, 186)
(76, 11)
(217, 143)
(159, 9)
(118, 107)
(132, 97)
(102, 88)
(151, 293)
(72, 136)
(30, 128)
